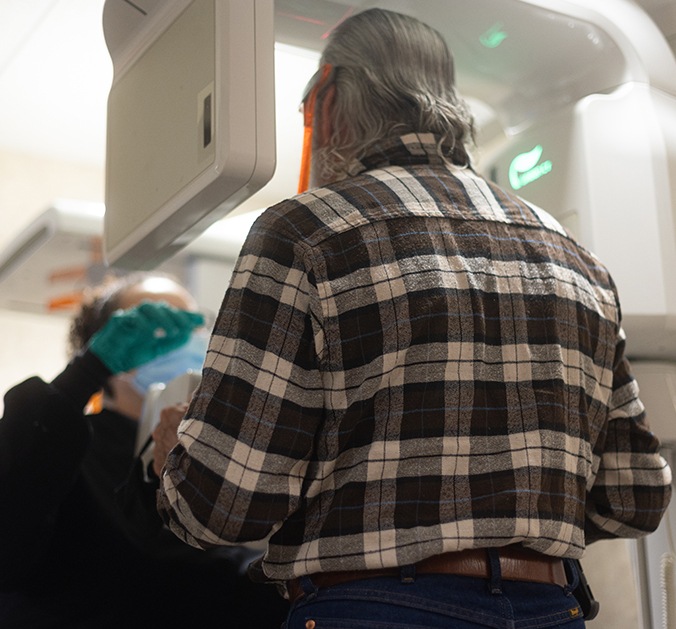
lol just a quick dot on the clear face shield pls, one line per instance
(319, 81)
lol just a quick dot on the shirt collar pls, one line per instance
(406, 150)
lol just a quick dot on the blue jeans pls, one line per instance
(427, 601)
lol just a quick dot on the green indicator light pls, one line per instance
(494, 36)
(525, 169)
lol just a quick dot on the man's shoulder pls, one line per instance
(425, 191)
(314, 215)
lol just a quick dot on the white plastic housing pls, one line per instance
(190, 120)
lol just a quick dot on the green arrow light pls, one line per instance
(525, 169)
(494, 36)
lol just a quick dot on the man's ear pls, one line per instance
(325, 123)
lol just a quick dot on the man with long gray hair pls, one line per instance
(416, 389)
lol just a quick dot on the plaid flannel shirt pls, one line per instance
(408, 362)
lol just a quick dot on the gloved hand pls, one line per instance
(135, 336)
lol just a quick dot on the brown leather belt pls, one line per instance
(516, 564)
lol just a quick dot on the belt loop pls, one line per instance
(309, 589)
(573, 576)
(496, 573)
(407, 573)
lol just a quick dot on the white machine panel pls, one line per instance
(190, 120)
(589, 164)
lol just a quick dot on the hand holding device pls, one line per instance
(165, 434)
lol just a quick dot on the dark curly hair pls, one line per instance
(98, 304)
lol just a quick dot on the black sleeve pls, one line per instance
(43, 440)
(135, 500)
(83, 376)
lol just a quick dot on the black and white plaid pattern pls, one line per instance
(409, 362)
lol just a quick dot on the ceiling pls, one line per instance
(55, 73)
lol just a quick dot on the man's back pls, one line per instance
(458, 372)
(468, 353)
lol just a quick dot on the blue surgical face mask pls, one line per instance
(188, 357)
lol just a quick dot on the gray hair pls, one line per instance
(393, 75)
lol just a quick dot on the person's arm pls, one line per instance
(43, 430)
(44, 434)
(43, 439)
(632, 487)
(249, 431)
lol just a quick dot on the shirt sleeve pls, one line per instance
(248, 435)
(632, 487)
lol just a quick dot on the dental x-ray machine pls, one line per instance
(577, 102)
(597, 148)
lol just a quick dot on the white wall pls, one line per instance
(35, 344)
(609, 570)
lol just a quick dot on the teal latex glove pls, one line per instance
(133, 337)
